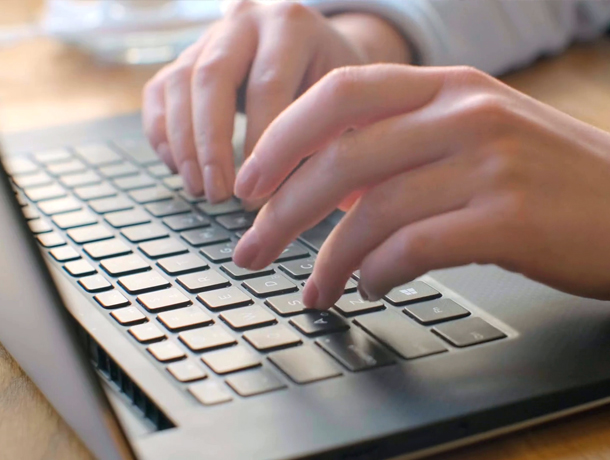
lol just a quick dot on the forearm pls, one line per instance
(376, 39)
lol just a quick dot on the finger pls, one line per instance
(344, 99)
(406, 198)
(462, 237)
(154, 110)
(217, 76)
(364, 158)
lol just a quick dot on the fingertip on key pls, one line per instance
(247, 249)
(247, 179)
(311, 294)
(193, 180)
(216, 189)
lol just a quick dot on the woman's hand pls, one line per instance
(451, 167)
(271, 52)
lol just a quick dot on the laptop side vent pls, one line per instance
(111, 371)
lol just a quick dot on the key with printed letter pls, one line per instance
(224, 298)
(219, 252)
(417, 291)
(239, 273)
(163, 300)
(163, 248)
(186, 263)
(298, 269)
(269, 285)
(248, 317)
(467, 332)
(206, 338)
(185, 318)
(353, 304)
(143, 282)
(204, 236)
(104, 249)
(203, 281)
(286, 305)
(313, 323)
(436, 311)
(125, 265)
(186, 222)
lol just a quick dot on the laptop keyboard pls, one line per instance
(159, 263)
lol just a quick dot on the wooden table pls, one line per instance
(43, 83)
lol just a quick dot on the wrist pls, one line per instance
(375, 38)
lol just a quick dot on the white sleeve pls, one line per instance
(492, 35)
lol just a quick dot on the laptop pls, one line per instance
(120, 300)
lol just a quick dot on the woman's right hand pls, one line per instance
(274, 53)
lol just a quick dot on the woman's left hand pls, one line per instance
(445, 167)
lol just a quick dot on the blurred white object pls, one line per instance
(129, 31)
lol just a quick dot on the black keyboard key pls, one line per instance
(39, 226)
(174, 182)
(74, 219)
(105, 249)
(219, 252)
(163, 248)
(112, 299)
(98, 154)
(150, 195)
(49, 157)
(139, 150)
(220, 299)
(166, 351)
(93, 192)
(143, 282)
(125, 265)
(436, 311)
(210, 393)
(313, 323)
(188, 221)
(355, 351)
(185, 318)
(186, 371)
(398, 334)
(119, 170)
(304, 364)
(48, 192)
(106, 205)
(272, 338)
(51, 240)
(227, 207)
(237, 221)
(352, 304)
(168, 208)
(186, 263)
(298, 269)
(79, 268)
(239, 273)
(146, 232)
(122, 219)
(206, 338)
(248, 317)
(128, 316)
(64, 254)
(270, 285)
(59, 205)
(255, 383)
(468, 332)
(231, 360)
(95, 283)
(203, 281)
(287, 305)
(147, 332)
(134, 182)
(33, 180)
(78, 180)
(90, 234)
(205, 236)
(69, 167)
(417, 291)
(165, 299)
(292, 251)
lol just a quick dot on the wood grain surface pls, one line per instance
(43, 83)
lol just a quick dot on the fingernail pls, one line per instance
(192, 177)
(215, 187)
(253, 205)
(247, 249)
(247, 179)
(311, 294)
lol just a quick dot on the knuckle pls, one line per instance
(270, 83)
(211, 69)
(178, 75)
(503, 165)
(291, 11)
(338, 157)
(342, 83)
(486, 110)
(470, 76)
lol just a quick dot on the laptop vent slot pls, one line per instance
(107, 367)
